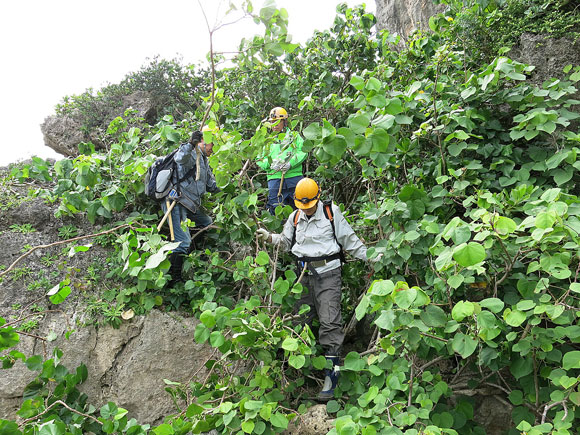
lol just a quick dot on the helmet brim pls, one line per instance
(306, 206)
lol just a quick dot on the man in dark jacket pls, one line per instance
(192, 159)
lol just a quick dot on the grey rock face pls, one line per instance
(315, 421)
(405, 16)
(64, 133)
(125, 365)
(548, 55)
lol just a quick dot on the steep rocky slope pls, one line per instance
(126, 365)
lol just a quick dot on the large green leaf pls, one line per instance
(386, 320)
(362, 307)
(156, 259)
(494, 305)
(262, 258)
(57, 428)
(463, 345)
(313, 131)
(8, 338)
(373, 84)
(201, 333)
(514, 317)
(394, 106)
(248, 426)
(416, 208)
(335, 147)
(521, 367)
(332, 406)
(297, 361)
(358, 123)
(9, 428)
(377, 100)
(357, 82)
(404, 298)
(208, 318)
(433, 316)
(462, 309)
(469, 254)
(382, 288)
(380, 140)
(571, 360)
(193, 410)
(290, 344)
(455, 281)
(546, 219)
(504, 225)
(353, 362)
(279, 420)
(328, 131)
(216, 339)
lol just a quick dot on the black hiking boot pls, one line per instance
(176, 259)
(330, 380)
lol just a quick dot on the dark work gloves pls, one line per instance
(196, 137)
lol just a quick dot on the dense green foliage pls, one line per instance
(486, 27)
(174, 89)
(462, 174)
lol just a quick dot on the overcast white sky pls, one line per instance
(50, 49)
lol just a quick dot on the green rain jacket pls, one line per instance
(289, 150)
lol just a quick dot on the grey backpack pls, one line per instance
(161, 177)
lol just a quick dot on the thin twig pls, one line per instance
(40, 313)
(461, 369)
(434, 337)
(536, 386)
(32, 335)
(242, 173)
(61, 242)
(389, 413)
(373, 338)
(411, 378)
(431, 363)
(59, 402)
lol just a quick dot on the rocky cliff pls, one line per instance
(403, 17)
(64, 132)
(128, 364)
(548, 55)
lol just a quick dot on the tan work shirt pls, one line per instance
(314, 237)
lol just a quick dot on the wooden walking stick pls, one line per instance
(170, 219)
(280, 188)
(172, 195)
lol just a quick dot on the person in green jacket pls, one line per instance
(284, 162)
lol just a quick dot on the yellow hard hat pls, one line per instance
(207, 129)
(278, 113)
(306, 194)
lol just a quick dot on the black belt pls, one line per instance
(325, 258)
(313, 262)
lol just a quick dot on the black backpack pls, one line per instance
(161, 177)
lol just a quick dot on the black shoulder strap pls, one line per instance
(328, 213)
(186, 175)
(296, 216)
